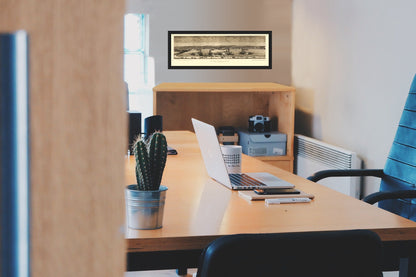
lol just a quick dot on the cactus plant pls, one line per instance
(150, 161)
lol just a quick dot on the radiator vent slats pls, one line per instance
(312, 155)
(326, 154)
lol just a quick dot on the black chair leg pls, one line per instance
(182, 271)
(407, 267)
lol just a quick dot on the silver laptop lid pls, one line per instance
(211, 152)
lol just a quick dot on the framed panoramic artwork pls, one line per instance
(219, 49)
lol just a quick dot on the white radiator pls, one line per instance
(312, 155)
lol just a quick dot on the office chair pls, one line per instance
(332, 253)
(397, 188)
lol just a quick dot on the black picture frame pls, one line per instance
(219, 49)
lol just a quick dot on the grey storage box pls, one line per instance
(263, 144)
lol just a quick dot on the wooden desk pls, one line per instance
(198, 210)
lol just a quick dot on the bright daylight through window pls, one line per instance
(138, 65)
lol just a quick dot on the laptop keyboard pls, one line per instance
(244, 181)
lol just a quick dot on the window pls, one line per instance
(138, 65)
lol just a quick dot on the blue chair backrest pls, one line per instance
(400, 168)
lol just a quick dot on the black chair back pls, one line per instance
(352, 253)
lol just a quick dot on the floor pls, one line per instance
(192, 273)
(159, 273)
(391, 274)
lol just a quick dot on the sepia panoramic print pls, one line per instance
(205, 49)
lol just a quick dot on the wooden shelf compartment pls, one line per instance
(228, 104)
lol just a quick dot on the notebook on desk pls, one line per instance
(251, 195)
(217, 170)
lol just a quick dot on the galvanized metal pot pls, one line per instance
(144, 209)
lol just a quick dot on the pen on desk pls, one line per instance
(287, 200)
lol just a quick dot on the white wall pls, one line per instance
(350, 61)
(352, 64)
(263, 15)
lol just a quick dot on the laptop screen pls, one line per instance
(211, 152)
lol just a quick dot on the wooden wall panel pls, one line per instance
(78, 133)
(220, 109)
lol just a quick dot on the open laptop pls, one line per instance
(217, 170)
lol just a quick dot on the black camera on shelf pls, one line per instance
(259, 124)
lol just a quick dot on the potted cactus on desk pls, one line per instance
(145, 200)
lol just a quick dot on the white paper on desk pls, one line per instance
(251, 195)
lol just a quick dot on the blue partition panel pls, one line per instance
(14, 156)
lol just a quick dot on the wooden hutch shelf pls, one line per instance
(228, 104)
